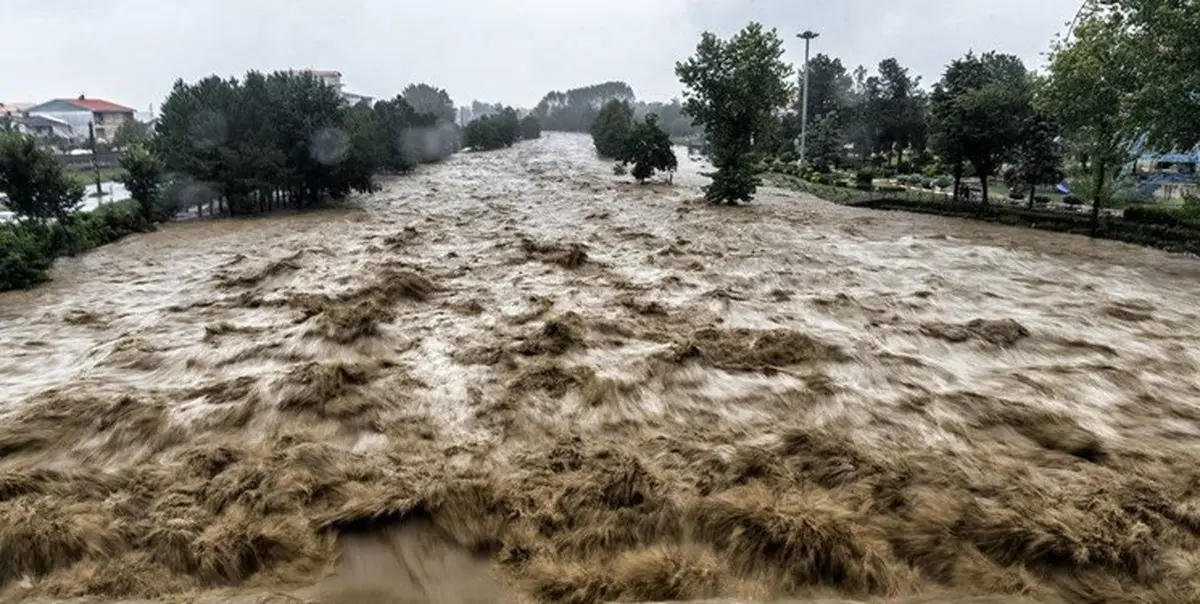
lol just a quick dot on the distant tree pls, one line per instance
(648, 148)
(577, 109)
(978, 113)
(733, 89)
(492, 132)
(611, 129)
(32, 178)
(429, 99)
(1038, 156)
(131, 133)
(143, 177)
(530, 128)
(825, 142)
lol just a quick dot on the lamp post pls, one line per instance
(807, 36)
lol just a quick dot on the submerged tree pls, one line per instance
(611, 129)
(648, 148)
(733, 89)
(530, 128)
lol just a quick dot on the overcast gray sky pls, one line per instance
(511, 51)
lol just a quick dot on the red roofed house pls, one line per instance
(79, 112)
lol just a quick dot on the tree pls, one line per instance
(1164, 36)
(648, 148)
(577, 109)
(978, 113)
(1091, 80)
(492, 132)
(530, 128)
(732, 89)
(1038, 156)
(130, 133)
(142, 177)
(428, 99)
(611, 128)
(38, 190)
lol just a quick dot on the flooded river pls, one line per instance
(519, 367)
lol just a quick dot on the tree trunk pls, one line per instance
(958, 170)
(1032, 194)
(983, 182)
(1096, 196)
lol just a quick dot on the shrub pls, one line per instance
(943, 181)
(25, 256)
(890, 189)
(864, 186)
(1016, 194)
(928, 183)
(843, 183)
(619, 169)
(827, 179)
(864, 176)
(1070, 200)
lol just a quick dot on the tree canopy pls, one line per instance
(610, 131)
(733, 89)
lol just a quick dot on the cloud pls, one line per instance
(511, 51)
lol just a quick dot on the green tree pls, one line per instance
(733, 89)
(530, 128)
(429, 99)
(1091, 80)
(131, 133)
(648, 147)
(1038, 157)
(978, 111)
(33, 180)
(611, 129)
(143, 176)
(495, 131)
(577, 109)
(1164, 36)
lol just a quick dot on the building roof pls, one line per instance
(98, 105)
(80, 104)
(14, 108)
(42, 120)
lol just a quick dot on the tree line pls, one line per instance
(577, 110)
(1124, 76)
(236, 146)
(618, 134)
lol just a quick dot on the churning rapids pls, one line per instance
(515, 376)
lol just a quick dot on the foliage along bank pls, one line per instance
(238, 147)
(640, 143)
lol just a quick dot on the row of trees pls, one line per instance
(577, 110)
(289, 139)
(241, 146)
(499, 130)
(618, 134)
(1126, 74)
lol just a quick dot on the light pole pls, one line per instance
(808, 37)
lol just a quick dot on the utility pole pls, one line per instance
(808, 37)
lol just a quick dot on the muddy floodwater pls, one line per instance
(515, 375)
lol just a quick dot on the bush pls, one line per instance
(25, 256)
(1016, 194)
(827, 179)
(843, 183)
(864, 177)
(1042, 199)
(943, 181)
(1169, 217)
(928, 183)
(1070, 200)
(891, 189)
(619, 169)
(863, 186)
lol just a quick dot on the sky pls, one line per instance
(509, 51)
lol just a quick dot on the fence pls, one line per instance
(104, 159)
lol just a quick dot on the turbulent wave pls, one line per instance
(514, 377)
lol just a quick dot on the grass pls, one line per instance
(87, 178)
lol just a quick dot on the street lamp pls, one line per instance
(808, 36)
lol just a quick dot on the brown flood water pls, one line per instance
(574, 389)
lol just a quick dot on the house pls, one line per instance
(333, 79)
(43, 127)
(82, 112)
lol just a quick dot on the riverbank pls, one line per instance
(1149, 227)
